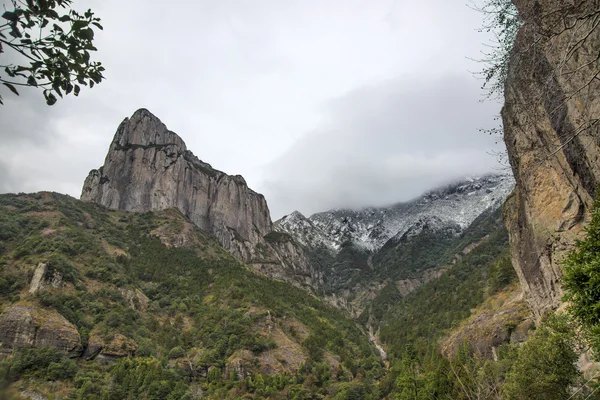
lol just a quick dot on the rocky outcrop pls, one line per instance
(149, 168)
(108, 351)
(503, 318)
(43, 278)
(26, 326)
(552, 133)
(279, 249)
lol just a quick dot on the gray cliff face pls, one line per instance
(552, 132)
(149, 168)
(298, 269)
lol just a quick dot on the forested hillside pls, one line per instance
(155, 309)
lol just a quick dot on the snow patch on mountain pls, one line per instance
(459, 203)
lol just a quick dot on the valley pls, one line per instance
(143, 276)
(168, 278)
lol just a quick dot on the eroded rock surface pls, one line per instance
(149, 168)
(552, 133)
(44, 278)
(26, 326)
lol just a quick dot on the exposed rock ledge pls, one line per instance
(26, 326)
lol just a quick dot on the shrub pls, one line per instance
(176, 352)
(581, 280)
(545, 367)
(46, 363)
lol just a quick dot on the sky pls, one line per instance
(319, 104)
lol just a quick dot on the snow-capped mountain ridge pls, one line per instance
(456, 203)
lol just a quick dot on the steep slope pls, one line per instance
(551, 129)
(459, 203)
(148, 168)
(422, 317)
(138, 297)
(386, 253)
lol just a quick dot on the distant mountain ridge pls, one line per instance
(344, 256)
(459, 203)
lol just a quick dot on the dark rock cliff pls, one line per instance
(552, 133)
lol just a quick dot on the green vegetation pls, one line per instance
(181, 322)
(348, 267)
(582, 280)
(542, 368)
(278, 237)
(45, 363)
(546, 365)
(445, 301)
(428, 313)
(55, 40)
(409, 256)
(187, 314)
(501, 18)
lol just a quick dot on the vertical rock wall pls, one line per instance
(149, 168)
(552, 133)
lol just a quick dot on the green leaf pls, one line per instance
(9, 72)
(79, 24)
(15, 32)
(65, 18)
(87, 34)
(11, 16)
(52, 14)
(50, 98)
(11, 87)
(31, 81)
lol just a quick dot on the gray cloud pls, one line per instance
(386, 143)
(249, 85)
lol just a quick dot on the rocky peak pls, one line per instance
(456, 205)
(432, 224)
(145, 129)
(149, 168)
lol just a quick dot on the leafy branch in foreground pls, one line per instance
(501, 19)
(49, 46)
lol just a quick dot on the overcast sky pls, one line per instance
(317, 103)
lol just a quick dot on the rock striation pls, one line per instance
(149, 168)
(552, 132)
(26, 326)
(41, 281)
